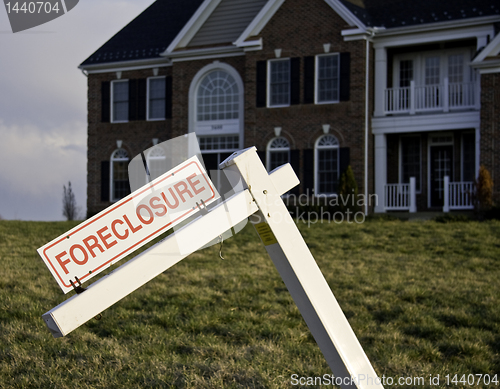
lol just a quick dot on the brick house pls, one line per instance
(384, 86)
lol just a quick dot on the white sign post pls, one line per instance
(286, 247)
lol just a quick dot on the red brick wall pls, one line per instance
(102, 137)
(300, 29)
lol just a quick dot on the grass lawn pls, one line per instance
(422, 297)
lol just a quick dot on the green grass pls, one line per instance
(422, 297)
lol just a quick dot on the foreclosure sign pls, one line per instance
(104, 239)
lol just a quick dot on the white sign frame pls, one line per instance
(122, 228)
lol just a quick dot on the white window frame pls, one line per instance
(235, 127)
(219, 150)
(112, 102)
(418, 190)
(113, 159)
(148, 99)
(270, 149)
(269, 62)
(316, 173)
(316, 79)
(419, 65)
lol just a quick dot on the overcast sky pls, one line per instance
(43, 106)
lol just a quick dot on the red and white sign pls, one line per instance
(104, 239)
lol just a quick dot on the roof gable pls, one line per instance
(265, 15)
(227, 22)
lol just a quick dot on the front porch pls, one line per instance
(427, 171)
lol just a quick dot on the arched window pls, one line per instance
(217, 97)
(119, 175)
(157, 162)
(326, 165)
(278, 153)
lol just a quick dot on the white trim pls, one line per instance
(147, 99)
(111, 160)
(438, 32)
(268, 151)
(491, 50)
(207, 56)
(259, 22)
(192, 26)
(316, 179)
(268, 86)
(345, 14)
(193, 88)
(111, 113)
(316, 78)
(125, 65)
(426, 123)
(190, 53)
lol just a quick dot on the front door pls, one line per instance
(441, 165)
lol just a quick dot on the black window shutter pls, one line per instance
(141, 99)
(132, 100)
(308, 177)
(262, 156)
(295, 163)
(295, 81)
(104, 180)
(345, 74)
(308, 80)
(168, 97)
(261, 87)
(105, 101)
(344, 159)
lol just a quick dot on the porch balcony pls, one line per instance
(431, 98)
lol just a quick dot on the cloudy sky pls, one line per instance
(43, 97)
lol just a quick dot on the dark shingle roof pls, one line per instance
(148, 34)
(401, 13)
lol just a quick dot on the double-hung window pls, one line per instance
(327, 78)
(156, 98)
(119, 102)
(279, 83)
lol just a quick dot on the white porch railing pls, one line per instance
(457, 195)
(430, 98)
(401, 197)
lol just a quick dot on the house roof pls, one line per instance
(148, 34)
(401, 13)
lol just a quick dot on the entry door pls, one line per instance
(441, 165)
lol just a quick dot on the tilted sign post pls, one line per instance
(260, 197)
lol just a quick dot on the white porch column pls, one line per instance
(413, 195)
(478, 151)
(380, 171)
(380, 80)
(446, 194)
